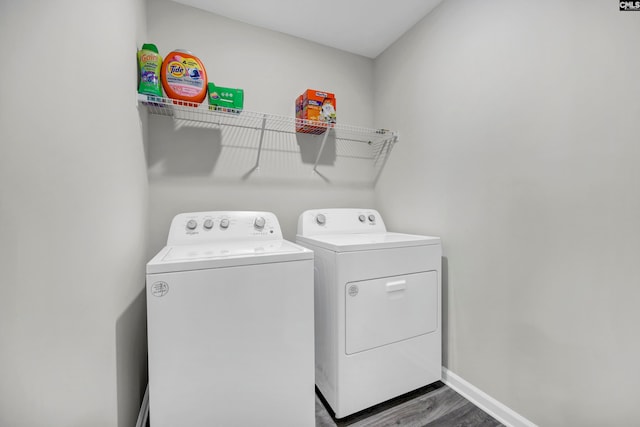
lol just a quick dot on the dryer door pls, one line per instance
(387, 310)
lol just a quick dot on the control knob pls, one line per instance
(321, 219)
(208, 224)
(224, 223)
(192, 224)
(259, 223)
(362, 218)
(372, 217)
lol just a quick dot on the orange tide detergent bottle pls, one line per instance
(184, 77)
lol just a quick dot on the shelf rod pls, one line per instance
(264, 129)
(185, 121)
(220, 124)
(324, 141)
(377, 156)
(264, 125)
(391, 140)
(386, 156)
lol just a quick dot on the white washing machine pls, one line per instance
(230, 324)
(377, 308)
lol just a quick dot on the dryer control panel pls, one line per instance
(202, 227)
(340, 221)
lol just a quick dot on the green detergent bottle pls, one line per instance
(149, 62)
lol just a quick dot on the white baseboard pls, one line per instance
(482, 400)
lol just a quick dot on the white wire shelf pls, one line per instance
(369, 144)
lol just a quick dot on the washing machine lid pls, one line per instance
(178, 258)
(366, 241)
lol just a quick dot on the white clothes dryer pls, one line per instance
(377, 308)
(230, 324)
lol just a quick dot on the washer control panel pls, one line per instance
(338, 221)
(202, 227)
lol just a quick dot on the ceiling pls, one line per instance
(363, 27)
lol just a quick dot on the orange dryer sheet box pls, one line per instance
(317, 106)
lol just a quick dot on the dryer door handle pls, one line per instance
(398, 285)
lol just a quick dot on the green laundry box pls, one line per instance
(225, 98)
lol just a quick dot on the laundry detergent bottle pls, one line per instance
(184, 76)
(149, 62)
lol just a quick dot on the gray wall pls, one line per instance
(73, 215)
(205, 169)
(520, 147)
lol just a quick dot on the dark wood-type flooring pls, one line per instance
(435, 406)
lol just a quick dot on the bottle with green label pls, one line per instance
(149, 62)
